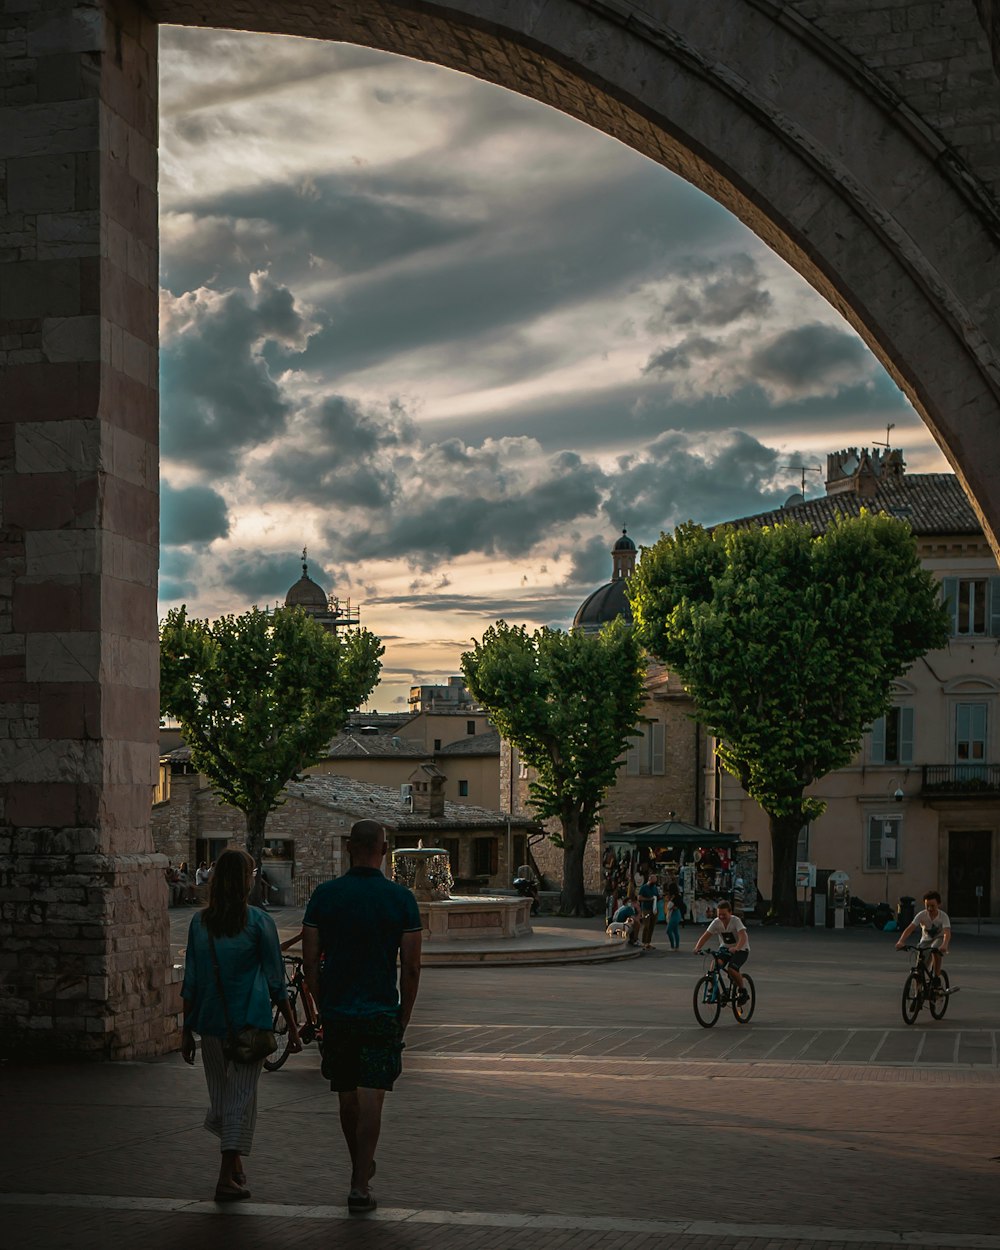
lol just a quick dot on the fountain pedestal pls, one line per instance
(480, 917)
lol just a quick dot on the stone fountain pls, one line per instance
(426, 870)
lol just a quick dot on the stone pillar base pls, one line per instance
(82, 967)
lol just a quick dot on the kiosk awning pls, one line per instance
(671, 833)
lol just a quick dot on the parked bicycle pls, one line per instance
(714, 991)
(301, 1004)
(920, 988)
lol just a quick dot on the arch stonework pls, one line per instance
(860, 139)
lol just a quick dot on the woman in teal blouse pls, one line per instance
(252, 976)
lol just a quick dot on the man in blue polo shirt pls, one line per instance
(353, 930)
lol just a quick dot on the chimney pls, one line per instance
(862, 472)
(427, 795)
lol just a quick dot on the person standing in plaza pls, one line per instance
(353, 930)
(233, 972)
(649, 901)
(675, 914)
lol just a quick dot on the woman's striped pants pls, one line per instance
(232, 1093)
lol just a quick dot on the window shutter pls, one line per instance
(906, 735)
(949, 597)
(878, 741)
(632, 758)
(873, 845)
(656, 763)
(994, 606)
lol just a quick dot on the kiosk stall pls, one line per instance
(703, 864)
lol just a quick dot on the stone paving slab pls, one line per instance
(93, 1222)
(944, 1047)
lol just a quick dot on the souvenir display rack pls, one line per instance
(703, 864)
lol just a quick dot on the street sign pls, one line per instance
(979, 891)
(805, 875)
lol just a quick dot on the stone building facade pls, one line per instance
(305, 834)
(919, 807)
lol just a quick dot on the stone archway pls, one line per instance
(860, 145)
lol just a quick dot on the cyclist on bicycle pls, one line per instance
(935, 932)
(735, 950)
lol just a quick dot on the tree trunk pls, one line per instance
(255, 845)
(784, 843)
(573, 901)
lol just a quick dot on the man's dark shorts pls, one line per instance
(364, 1051)
(735, 959)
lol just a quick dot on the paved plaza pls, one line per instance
(568, 1106)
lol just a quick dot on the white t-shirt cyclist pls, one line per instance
(730, 931)
(931, 927)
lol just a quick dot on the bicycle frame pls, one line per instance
(718, 971)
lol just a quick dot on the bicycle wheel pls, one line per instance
(743, 1011)
(280, 1025)
(939, 1002)
(706, 1001)
(913, 998)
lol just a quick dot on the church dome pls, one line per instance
(610, 600)
(306, 593)
(606, 603)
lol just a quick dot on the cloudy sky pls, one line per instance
(453, 341)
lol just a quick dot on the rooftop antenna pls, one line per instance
(305, 566)
(888, 430)
(803, 469)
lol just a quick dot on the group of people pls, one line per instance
(183, 885)
(638, 913)
(355, 929)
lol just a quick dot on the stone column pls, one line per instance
(84, 950)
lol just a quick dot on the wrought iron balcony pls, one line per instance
(960, 780)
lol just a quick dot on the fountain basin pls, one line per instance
(477, 918)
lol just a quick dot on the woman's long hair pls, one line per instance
(228, 890)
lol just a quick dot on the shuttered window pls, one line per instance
(973, 604)
(892, 737)
(647, 751)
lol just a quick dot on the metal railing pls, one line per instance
(302, 888)
(960, 779)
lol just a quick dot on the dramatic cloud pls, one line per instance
(717, 293)
(191, 514)
(500, 498)
(811, 359)
(219, 394)
(263, 578)
(340, 455)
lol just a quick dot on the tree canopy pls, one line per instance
(569, 703)
(788, 643)
(258, 696)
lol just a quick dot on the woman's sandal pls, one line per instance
(240, 1178)
(231, 1193)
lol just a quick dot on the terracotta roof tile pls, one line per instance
(933, 503)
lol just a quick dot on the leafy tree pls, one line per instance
(788, 645)
(258, 696)
(569, 703)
